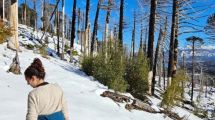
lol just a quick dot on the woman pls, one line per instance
(46, 101)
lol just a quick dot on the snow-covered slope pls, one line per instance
(82, 92)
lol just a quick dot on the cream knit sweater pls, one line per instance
(45, 100)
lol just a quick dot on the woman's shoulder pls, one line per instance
(45, 87)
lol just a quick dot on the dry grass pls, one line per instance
(5, 31)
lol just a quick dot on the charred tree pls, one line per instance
(95, 27)
(157, 51)
(73, 29)
(87, 13)
(193, 40)
(151, 41)
(120, 36)
(172, 41)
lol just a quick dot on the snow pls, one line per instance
(82, 92)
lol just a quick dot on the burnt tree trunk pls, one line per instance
(95, 29)
(176, 44)
(106, 35)
(73, 29)
(151, 41)
(25, 13)
(172, 42)
(193, 49)
(120, 36)
(58, 34)
(133, 35)
(63, 29)
(35, 13)
(163, 53)
(87, 13)
(160, 39)
(141, 39)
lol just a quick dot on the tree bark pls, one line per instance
(87, 13)
(172, 42)
(106, 35)
(73, 29)
(133, 35)
(176, 43)
(145, 43)
(58, 34)
(163, 52)
(63, 29)
(193, 49)
(13, 43)
(95, 27)
(151, 42)
(141, 38)
(160, 40)
(25, 13)
(121, 21)
(3, 10)
(164, 71)
(35, 21)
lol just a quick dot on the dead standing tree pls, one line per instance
(13, 43)
(193, 40)
(73, 29)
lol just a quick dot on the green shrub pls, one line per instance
(174, 93)
(118, 84)
(109, 71)
(87, 65)
(101, 69)
(66, 48)
(117, 72)
(137, 76)
(74, 53)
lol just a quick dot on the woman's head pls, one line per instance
(35, 73)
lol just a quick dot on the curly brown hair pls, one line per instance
(35, 69)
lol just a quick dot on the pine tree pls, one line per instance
(137, 74)
(172, 95)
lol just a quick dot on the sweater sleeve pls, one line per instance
(31, 112)
(65, 108)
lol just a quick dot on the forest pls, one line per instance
(147, 48)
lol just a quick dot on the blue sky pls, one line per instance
(131, 5)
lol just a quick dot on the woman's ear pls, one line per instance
(33, 78)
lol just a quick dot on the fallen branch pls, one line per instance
(116, 97)
(139, 105)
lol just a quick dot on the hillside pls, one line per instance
(82, 91)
